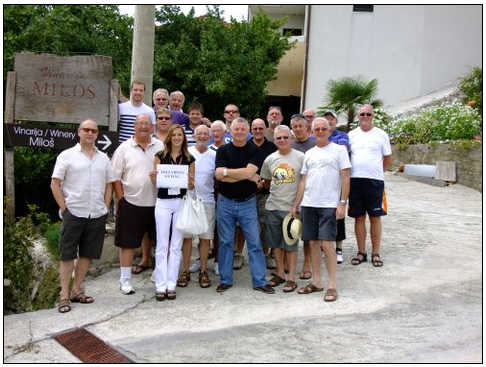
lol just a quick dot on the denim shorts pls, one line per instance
(318, 223)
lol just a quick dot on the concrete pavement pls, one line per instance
(424, 305)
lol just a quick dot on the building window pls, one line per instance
(292, 31)
(361, 7)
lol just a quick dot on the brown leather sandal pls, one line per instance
(331, 295)
(82, 298)
(184, 279)
(64, 305)
(289, 286)
(309, 288)
(276, 280)
(204, 281)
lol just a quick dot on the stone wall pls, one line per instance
(468, 157)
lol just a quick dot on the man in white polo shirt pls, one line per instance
(132, 163)
(81, 185)
(370, 157)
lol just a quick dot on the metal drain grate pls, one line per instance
(89, 348)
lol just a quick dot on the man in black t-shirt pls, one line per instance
(236, 170)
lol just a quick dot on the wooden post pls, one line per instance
(114, 90)
(9, 152)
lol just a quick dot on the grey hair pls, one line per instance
(219, 123)
(137, 119)
(160, 90)
(241, 120)
(199, 127)
(177, 93)
(320, 119)
(298, 118)
(280, 128)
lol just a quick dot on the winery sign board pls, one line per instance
(64, 89)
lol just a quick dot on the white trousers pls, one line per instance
(167, 255)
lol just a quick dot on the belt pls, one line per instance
(240, 200)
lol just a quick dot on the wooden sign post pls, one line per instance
(61, 89)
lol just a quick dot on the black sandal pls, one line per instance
(359, 258)
(376, 260)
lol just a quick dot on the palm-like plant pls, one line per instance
(346, 93)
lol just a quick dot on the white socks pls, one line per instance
(125, 273)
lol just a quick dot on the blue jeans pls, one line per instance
(228, 212)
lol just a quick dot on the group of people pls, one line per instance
(261, 183)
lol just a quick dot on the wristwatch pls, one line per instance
(343, 202)
(225, 172)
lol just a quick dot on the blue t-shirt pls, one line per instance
(340, 137)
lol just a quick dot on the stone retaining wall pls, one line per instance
(468, 158)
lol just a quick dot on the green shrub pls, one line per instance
(17, 264)
(51, 234)
(19, 268)
(453, 121)
(472, 86)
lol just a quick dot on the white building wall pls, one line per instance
(410, 49)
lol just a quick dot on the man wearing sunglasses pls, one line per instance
(370, 156)
(81, 186)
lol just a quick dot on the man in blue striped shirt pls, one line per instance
(129, 110)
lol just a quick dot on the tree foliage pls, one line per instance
(346, 93)
(217, 63)
(69, 30)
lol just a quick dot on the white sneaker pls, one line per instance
(152, 277)
(216, 269)
(126, 287)
(195, 266)
(339, 255)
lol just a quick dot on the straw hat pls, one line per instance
(292, 229)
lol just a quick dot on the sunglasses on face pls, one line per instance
(230, 111)
(163, 118)
(365, 114)
(258, 128)
(321, 129)
(282, 138)
(88, 130)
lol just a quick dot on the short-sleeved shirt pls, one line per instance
(189, 135)
(284, 173)
(322, 167)
(132, 165)
(163, 193)
(265, 150)
(305, 145)
(128, 114)
(367, 151)
(204, 177)
(84, 181)
(179, 117)
(340, 138)
(230, 156)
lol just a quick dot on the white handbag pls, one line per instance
(192, 217)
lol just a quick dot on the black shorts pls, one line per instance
(366, 196)
(318, 223)
(83, 235)
(132, 222)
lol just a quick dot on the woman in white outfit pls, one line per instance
(167, 207)
(204, 181)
